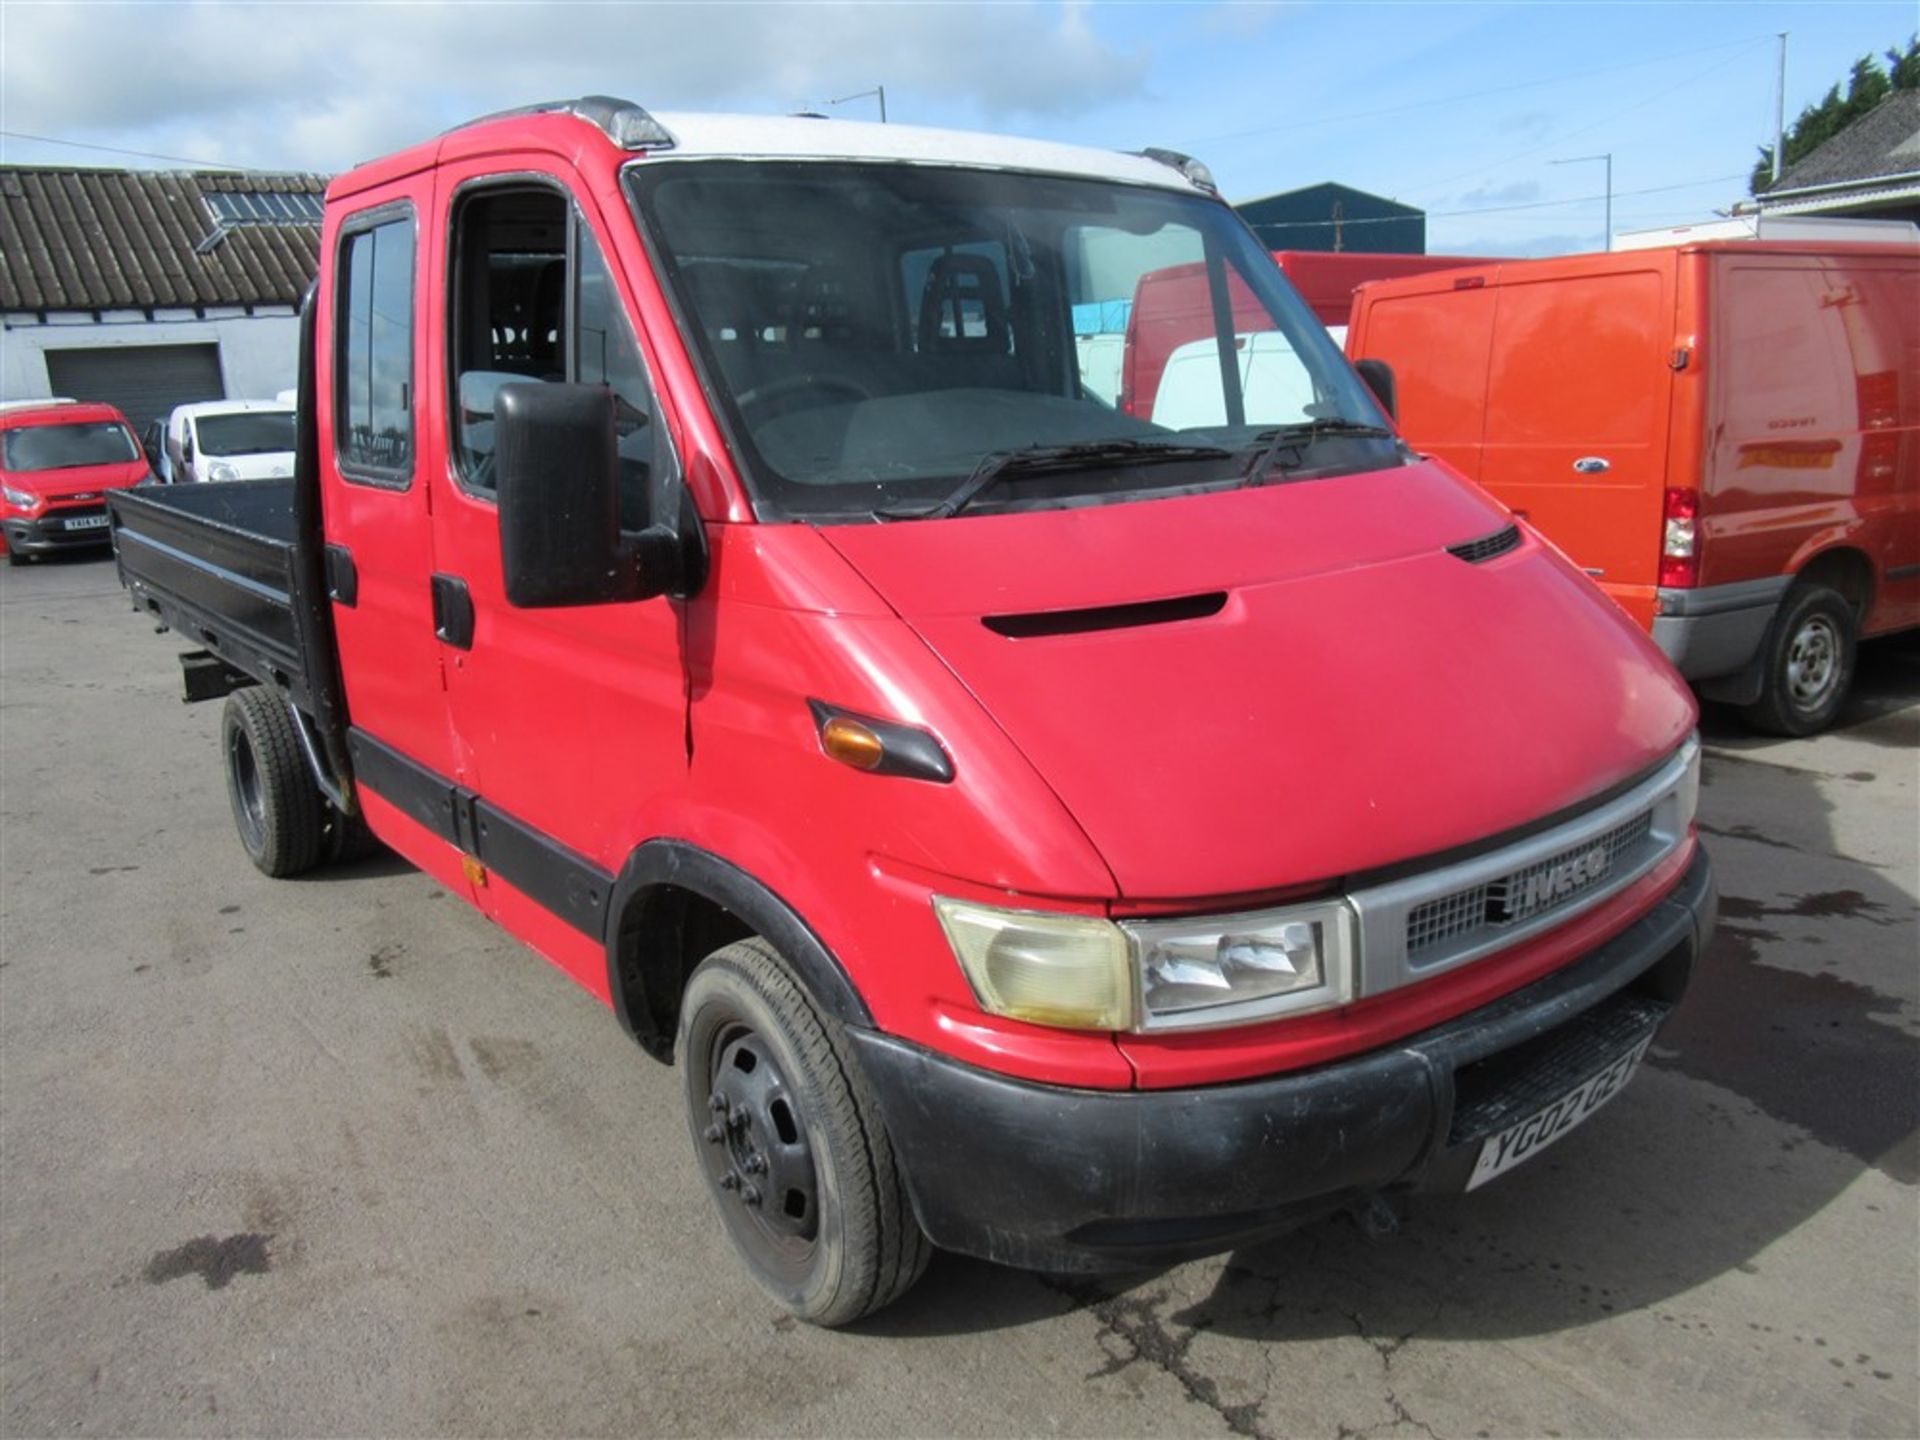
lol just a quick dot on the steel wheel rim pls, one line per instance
(757, 1154)
(1813, 662)
(247, 790)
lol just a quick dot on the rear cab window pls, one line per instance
(373, 348)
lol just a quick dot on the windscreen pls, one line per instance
(256, 432)
(876, 332)
(62, 447)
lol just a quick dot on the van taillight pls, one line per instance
(1680, 539)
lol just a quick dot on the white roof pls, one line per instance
(1771, 226)
(228, 407)
(771, 137)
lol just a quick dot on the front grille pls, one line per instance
(1487, 546)
(1539, 889)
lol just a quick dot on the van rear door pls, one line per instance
(1579, 398)
(1436, 334)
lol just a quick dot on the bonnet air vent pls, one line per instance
(1107, 617)
(1487, 546)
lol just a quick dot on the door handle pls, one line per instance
(453, 611)
(343, 578)
(1592, 465)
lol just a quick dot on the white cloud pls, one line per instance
(320, 86)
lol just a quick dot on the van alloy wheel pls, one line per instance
(1813, 662)
(1806, 662)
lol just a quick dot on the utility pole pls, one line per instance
(1608, 158)
(1780, 110)
(879, 91)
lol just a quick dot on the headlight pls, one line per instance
(1085, 973)
(220, 470)
(1067, 970)
(1236, 969)
(26, 500)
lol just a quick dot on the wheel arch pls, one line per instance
(1844, 568)
(672, 904)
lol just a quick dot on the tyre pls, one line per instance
(348, 839)
(14, 557)
(277, 808)
(791, 1143)
(1808, 663)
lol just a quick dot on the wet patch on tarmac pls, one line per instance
(215, 1261)
(1816, 1051)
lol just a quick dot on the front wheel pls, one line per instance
(791, 1142)
(1809, 663)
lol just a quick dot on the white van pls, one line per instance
(1272, 379)
(230, 440)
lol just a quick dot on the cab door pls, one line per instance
(371, 346)
(569, 722)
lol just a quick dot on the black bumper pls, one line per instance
(1057, 1179)
(50, 533)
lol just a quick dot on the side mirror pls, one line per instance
(558, 474)
(1379, 377)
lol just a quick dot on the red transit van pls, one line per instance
(58, 460)
(1724, 434)
(1031, 829)
(1328, 279)
(1171, 323)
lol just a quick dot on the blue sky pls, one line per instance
(1457, 108)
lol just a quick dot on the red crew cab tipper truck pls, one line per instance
(58, 460)
(1031, 830)
(1724, 434)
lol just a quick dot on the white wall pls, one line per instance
(257, 352)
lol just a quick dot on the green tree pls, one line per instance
(1868, 84)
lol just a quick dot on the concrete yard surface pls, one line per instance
(336, 1156)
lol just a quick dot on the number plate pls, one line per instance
(1500, 1153)
(88, 522)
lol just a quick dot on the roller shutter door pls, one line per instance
(145, 381)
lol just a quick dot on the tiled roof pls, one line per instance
(1884, 141)
(76, 239)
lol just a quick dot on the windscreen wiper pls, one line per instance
(998, 465)
(1276, 442)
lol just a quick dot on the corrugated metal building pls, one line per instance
(1336, 217)
(149, 289)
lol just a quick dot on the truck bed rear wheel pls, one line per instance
(277, 808)
(1808, 663)
(791, 1143)
(348, 839)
